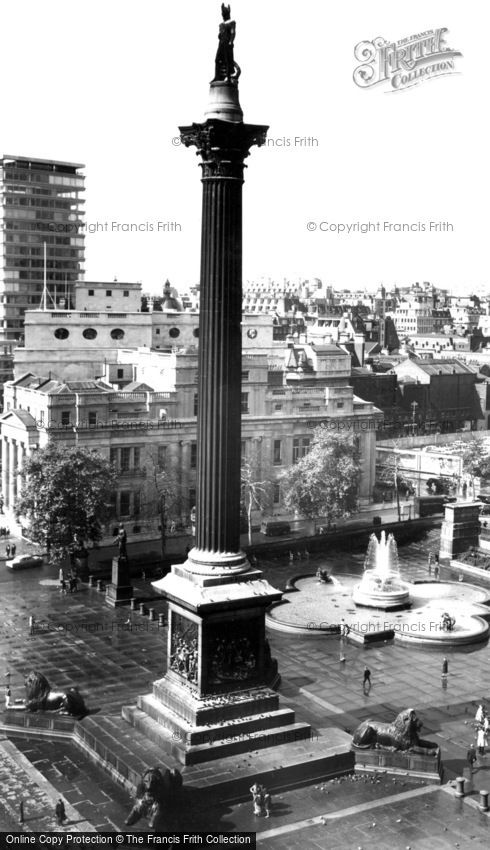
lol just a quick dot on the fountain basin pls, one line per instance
(387, 594)
(320, 610)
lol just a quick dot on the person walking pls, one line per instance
(436, 572)
(8, 695)
(60, 812)
(366, 682)
(62, 582)
(481, 741)
(7, 550)
(480, 714)
(445, 667)
(471, 758)
(13, 550)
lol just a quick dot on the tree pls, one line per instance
(255, 494)
(476, 458)
(161, 495)
(65, 496)
(325, 481)
(389, 472)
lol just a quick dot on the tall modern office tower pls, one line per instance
(41, 237)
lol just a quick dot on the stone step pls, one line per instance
(201, 712)
(172, 743)
(126, 753)
(212, 731)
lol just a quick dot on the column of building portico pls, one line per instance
(12, 483)
(21, 456)
(5, 471)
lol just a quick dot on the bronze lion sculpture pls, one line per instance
(41, 697)
(402, 734)
(156, 797)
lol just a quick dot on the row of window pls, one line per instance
(88, 333)
(108, 293)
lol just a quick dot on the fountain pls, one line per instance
(381, 585)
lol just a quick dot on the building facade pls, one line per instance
(41, 205)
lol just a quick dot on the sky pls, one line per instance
(108, 83)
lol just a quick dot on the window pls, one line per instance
(244, 403)
(193, 455)
(117, 333)
(89, 333)
(162, 457)
(301, 447)
(126, 293)
(125, 456)
(91, 292)
(276, 492)
(245, 376)
(277, 452)
(277, 407)
(61, 333)
(136, 457)
(124, 503)
(120, 373)
(136, 503)
(157, 331)
(108, 293)
(196, 404)
(65, 417)
(340, 404)
(174, 333)
(195, 332)
(92, 417)
(113, 456)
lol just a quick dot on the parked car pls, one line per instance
(22, 562)
(274, 528)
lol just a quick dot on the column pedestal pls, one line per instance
(120, 590)
(460, 530)
(217, 697)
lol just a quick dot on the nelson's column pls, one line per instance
(216, 699)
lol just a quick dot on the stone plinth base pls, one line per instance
(193, 731)
(120, 590)
(414, 765)
(460, 529)
(125, 753)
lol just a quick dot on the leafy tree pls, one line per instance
(161, 495)
(255, 493)
(389, 472)
(476, 459)
(325, 481)
(65, 496)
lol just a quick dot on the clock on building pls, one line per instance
(251, 333)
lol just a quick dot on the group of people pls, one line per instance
(298, 556)
(261, 800)
(72, 582)
(10, 550)
(4, 531)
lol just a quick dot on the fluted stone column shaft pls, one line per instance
(223, 147)
(220, 353)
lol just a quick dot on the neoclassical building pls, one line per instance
(141, 413)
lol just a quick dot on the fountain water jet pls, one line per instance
(381, 585)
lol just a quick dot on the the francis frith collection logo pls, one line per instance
(404, 63)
